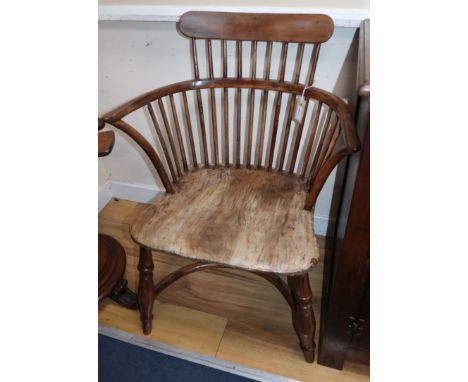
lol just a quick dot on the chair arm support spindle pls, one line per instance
(322, 176)
(345, 116)
(149, 150)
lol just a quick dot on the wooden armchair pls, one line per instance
(242, 194)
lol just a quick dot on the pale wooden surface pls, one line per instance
(248, 219)
(172, 324)
(228, 314)
(276, 353)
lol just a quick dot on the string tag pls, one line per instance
(300, 107)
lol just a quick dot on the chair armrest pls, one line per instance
(350, 135)
(101, 124)
(350, 139)
(344, 113)
(106, 141)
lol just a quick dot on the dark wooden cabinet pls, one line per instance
(345, 317)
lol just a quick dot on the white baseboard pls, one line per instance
(349, 18)
(143, 193)
(104, 196)
(320, 225)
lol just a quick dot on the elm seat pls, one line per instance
(243, 218)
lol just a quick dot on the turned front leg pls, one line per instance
(146, 289)
(303, 313)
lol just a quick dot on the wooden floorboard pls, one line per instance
(276, 353)
(233, 315)
(175, 325)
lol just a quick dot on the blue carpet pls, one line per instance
(120, 361)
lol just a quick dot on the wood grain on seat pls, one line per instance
(248, 219)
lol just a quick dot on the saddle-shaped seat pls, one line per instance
(246, 219)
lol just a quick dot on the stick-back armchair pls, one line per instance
(242, 154)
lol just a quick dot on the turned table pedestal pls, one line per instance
(112, 264)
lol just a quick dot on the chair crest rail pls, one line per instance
(315, 28)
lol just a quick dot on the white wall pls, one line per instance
(346, 4)
(135, 57)
(345, 13)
